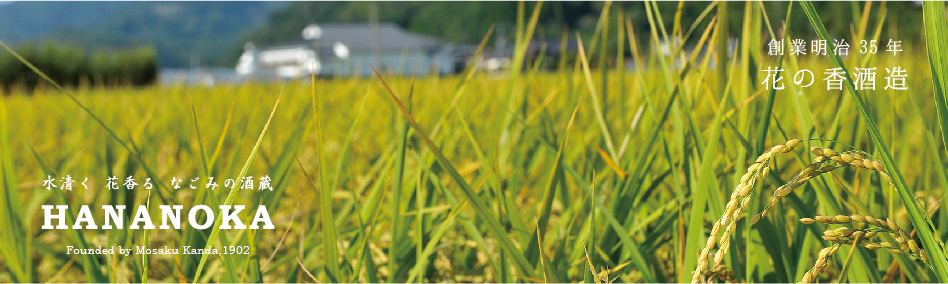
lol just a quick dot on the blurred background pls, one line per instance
(141, 43)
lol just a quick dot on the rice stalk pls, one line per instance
(735, 206)
(920, 220)
(821, 263)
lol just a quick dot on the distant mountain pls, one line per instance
(28, 20)
(183, 33)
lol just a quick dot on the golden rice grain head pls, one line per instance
(878, 166)
(844, 231)
(816, 151)
(777, 149)
(843, 219)
(840, 163)
(871, 246)
(745, 177)
(832, 239)
(783, 191)
(836, 159)
(870, 234)
(755, 219)
(753, 167)
(820, 159)
(825, 252)
(886, 244)
(871, 220)
(828, 167)
(857, 156)
(880, 223)
(716, 228)
(809, 169)
(725, 221)
(731, 204)
(807, 221)
(868, 164)
(762, 214)
(905, 235)
(744, 204)
(913, 246)
(829, 152)
(923, 255)
(858, 235)
(793, 143)
(900, 240)
(830, 233)
(858, 217)
(825, 219)
(725, 244)
(846, 157)
(803, 180)
(892, 225)
(704, 253)
(762, 158)
(898, 251)
(719, 256)
(745, 189)
(817, 269)
(858, 164)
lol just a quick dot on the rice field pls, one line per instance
(685, 170)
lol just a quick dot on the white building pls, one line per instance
(282, 62)
(346, 49)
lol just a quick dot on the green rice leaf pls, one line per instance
(931, 242)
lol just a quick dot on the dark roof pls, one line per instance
(553, 47)
(360, 36)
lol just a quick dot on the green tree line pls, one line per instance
(72, 66)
